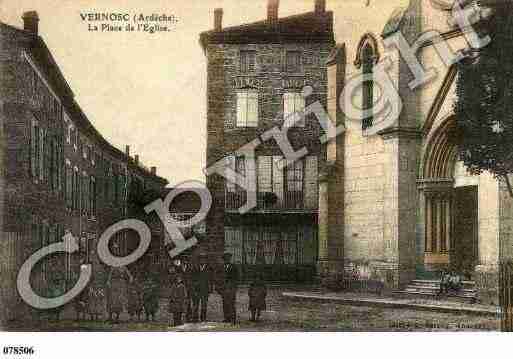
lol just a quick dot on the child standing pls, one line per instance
(257, 293)
(177, 300)
(151, 298)
(135, 301)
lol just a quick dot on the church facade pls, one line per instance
(395, 202)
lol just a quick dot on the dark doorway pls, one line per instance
(465, 233)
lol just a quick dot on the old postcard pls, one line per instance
(256, 166)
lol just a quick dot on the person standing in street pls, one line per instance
(187, 281)
(177, 300)
(201, 287)
(229, 292)
(257, 293)
(151, 295)
(117, 290)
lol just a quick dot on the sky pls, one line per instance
(149, 90)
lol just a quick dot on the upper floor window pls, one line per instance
(247, 109)
(34, 149)
(293, 61)
(85, 150)
(247, 61)
(92, 196)
(295, 177)
(293, 103)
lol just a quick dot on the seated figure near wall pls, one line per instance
(450, 282)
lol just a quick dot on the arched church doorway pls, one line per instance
(449, 195)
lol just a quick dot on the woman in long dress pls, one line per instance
(117, 291)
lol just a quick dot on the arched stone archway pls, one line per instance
(448, 206)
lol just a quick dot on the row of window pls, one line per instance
(269, 176)
(248, 108)
(80, 190)
(248, 61)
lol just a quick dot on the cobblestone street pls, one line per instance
(294, 315)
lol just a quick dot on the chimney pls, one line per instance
(136, 159)
(320, 7)
(272, 11)
(218, 19)
(30, 21)
(127, 150)
(154, 170)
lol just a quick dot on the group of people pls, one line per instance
(192, 284)
(137, 294)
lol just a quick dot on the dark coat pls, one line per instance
(151, 297)
(257, 293)
(231, 276)
(135, 300)
(177, 299)
(117, 290)
(201, 283)
(187, 271)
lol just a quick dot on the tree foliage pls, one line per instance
(484, 109)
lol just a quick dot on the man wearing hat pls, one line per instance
(231, 282)
(201, 287)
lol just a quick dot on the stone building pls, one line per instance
(396, 202)
(256, 74)
(58, 173)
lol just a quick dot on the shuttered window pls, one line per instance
(34, 149)
(264, 178)
(295, 177)
(293, 61)
(247, 109)
(311, 182)
(293, 103)
(247, 61)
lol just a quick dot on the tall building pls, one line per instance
(58, 173)
(256, 73)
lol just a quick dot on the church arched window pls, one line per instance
(366, 57)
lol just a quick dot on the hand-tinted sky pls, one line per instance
(148, 90)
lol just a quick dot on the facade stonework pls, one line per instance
(410, 209)
(279, 237)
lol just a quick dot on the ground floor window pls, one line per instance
(280, 252)
(272, 245)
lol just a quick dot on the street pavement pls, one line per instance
(286, 314)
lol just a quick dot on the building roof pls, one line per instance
(307, 27)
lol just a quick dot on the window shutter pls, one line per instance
(299, 106)
(242, 104)
(41, 153)
(251, 61)
(278, 179)
(230, 182)
(264, 178)
(311, 187)
(288, 106)
(33, 149)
